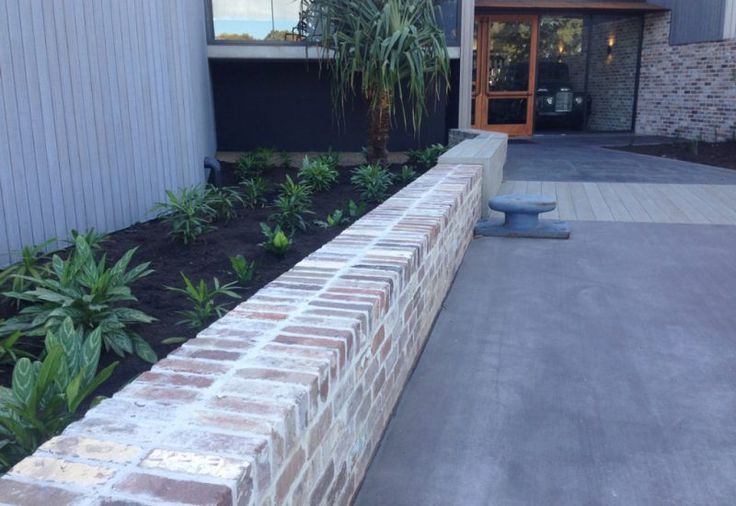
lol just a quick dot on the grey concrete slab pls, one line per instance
(585, 158)
(595, 371)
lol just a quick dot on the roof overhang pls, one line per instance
(571, 5)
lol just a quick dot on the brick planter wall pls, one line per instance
(686, 90)
(284, 400)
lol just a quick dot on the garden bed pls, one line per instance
(722, 154)
(205, 259)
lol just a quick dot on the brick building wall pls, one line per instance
(284, 400)
(612, 79)
(688, 90)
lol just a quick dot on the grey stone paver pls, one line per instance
(594, 371)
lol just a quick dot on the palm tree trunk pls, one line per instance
(379, 125)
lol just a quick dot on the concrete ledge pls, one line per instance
(284, 400)
(479, 147)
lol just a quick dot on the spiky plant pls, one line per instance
(392, 52)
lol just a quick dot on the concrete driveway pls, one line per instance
(595, 371)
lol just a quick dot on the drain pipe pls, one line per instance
(214, 176)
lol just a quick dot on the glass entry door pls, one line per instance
(505, 54)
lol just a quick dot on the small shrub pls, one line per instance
(254, 192)
(355, 211)
(9, 353)
(407, 174)
(276, 241)
(189, 214)
(91, 236)
(372, 181)
(33, 265)
(335, 219)
(318, 174)
(205, 306)
(223, 201)
(426, 158)
(331, 159)
(285, 158)
(44, 396)
(292, 205)
(83, 288)
(244, 270)
(254, 163)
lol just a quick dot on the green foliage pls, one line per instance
(355, 211)
(372, 181)
(383, 50)
(93, 238)
(44, 396)
(223, 201)
(33, 264)
(254, 163)
(407, 174)
(285, 158)
(292, 204)
(319, 174)
(244, 270)
(276, 241)
(254, 192)
(9, 353)
(335, 219)
(426, 158)
(330, 158)
(91, 294)
(204, 300)
(189, 213)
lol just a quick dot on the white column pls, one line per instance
(467, 17)
(729, 23)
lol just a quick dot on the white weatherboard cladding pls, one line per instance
(103, 106)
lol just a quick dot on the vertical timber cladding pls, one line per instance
(103, 107)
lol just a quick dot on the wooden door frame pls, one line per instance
(482, 95)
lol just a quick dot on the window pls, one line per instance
(256, 20)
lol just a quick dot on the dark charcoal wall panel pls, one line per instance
(287, 105)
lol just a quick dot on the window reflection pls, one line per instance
(256, 20)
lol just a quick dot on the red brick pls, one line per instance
(309, 380)
(380, 379)
(191, 366)
(378, 339)
(180, 380)
(318, 431)
(323, 484)
(181, 491)
(288, 476)
(337, 344)
(28, 494)
(219, 355)
(323, 332)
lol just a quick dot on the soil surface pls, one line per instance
(722, 154)
(207, 258)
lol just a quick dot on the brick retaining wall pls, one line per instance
(284, 400)
(687, 90)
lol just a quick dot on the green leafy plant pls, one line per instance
(319, 174)
(253, 163)
(189, 213)
(276, 241)
(94, 239)
(224, 201)
(204, 299)
(33, 264)
(254, 192)
(285, 158)
(407, 174)
(292, 205)
(334, 219)
(244, 270)
(379, 49)
(372, 181)
(355, 211)
(92, 294)
(44, 396)
(330, 158)
(426, 158)
(9, 353)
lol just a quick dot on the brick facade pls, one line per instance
(284, 400)
(688, 90)
(612, 79)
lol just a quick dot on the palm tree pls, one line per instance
(385, 50)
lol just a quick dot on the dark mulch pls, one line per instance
(722, 154)
(205, 260)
